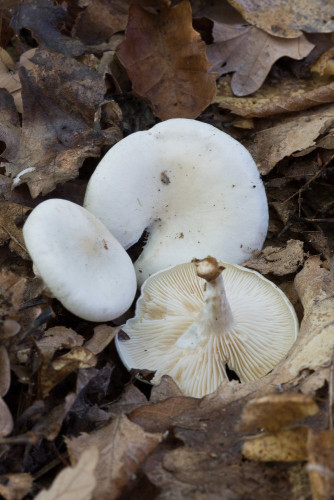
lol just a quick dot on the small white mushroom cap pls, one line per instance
(79, 260)
(192, 334)
(195, 189)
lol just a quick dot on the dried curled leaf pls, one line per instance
(74, 482)
(289, 95)
(166, 62)
(12, 216)
(287, 19)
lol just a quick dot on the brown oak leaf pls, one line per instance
(250, 53)
(166, 62)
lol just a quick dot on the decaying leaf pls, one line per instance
(57, 338)
(60, 99)
(276, 411)
(9, 79)
(4, 371)
(10, 124)
(287, 19)
(157, 417)
(52, 373)
(288, 445)
(278, 261)
(272, 144)
(49, 425)
(15, 486)
(75, 482)
(100, 20)
(42, 18)
(6, 419)
(122, 446)
(250, 53)
(325, 64)
(315, 344)
(166, 62)
(276, 97)
(12, 216)
(103, 335)
(321, 464)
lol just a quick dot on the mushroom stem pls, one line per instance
(215, 317)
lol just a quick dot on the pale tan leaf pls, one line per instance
(321, 464)
(285, 18)
(57, 338)
(288, 136)
(15, 486)
(123, 446)
(76, 482)
(103, 335)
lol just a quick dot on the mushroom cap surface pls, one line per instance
(79, 260)
(264, 329)
(196, 190)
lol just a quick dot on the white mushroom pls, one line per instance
(192, 327)
(79, 260)
(195, 189)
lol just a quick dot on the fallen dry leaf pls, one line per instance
(52, 373)
(4, 371)
(288, 445)
(15, 486)
(288, 136)
(6, 419)
(275, 411)
(9, 125)
(12, 217)
(166, 62)
(122, 446)
(250, 53)
(60, 99)
(315, 344)
(325, 64)
(57, 338)
(74, 482)
(289, 95)
(321, 464)
(287, 19)
(9, 79)
(49, 425)
(103, 335)
(158, 417)
(42, 18)
(100, 20)
(278, 261)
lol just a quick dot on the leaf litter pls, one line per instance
(74, 423)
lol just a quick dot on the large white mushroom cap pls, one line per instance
(79, 260)
(194, 188)
(190, 334)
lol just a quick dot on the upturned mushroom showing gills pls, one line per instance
(193, 188)
(194, 320)
(79, 260)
